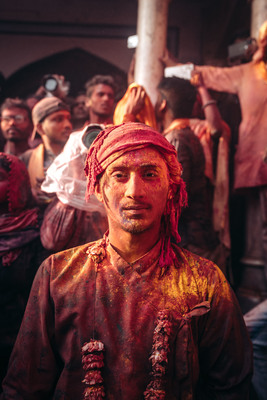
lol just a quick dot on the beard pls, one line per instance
(134, 229)
(134, 226)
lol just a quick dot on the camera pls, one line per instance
(91, 133)
(242, 51)
(56, 85)
(50, 83)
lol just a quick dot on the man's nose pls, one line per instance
(67, 123)
(106, 97)
(12, 121)
(135, 186)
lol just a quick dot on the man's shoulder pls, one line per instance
(25, 157)
(74, 264)
(88, 248)
(201, 268)
(185, 140)
(183, 134)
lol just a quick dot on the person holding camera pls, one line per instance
(55, 85)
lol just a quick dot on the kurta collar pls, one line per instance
(140, 266)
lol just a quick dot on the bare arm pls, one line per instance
(209, 105)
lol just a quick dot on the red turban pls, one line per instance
(115, 141)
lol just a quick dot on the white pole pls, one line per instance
(152, 32)
(258, 16)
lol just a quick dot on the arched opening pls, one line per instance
(77, 65)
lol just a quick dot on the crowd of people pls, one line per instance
(115, 232)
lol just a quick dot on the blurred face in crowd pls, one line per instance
(16, 125)
(101, 101)
(56, 127)
(79, 109)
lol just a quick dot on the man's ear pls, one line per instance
(87, 102)
(98, 192)
(39, 129)
(163, 106)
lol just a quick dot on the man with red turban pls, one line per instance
(131, 316)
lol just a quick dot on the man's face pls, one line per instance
(101, 101)
(57, 127)
(134, 190)
(79, 110)
(16, 125)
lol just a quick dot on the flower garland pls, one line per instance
(156, 388)
(92, 352)
(93, 357)
(93, 361)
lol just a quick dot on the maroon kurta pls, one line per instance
(74, 299)
(250, 84)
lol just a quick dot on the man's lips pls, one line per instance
(13, 130)
(136, 207)
(105, 106)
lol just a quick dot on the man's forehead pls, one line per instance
(14, 110)
(63, 113)
(102, 87)
(142, 158)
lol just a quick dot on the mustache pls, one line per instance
(135, 205)
(14, 129)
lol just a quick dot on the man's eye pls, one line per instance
(118, 174)
(150, 174)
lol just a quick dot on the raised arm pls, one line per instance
(209, 105)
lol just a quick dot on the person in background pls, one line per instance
(100, 92)
(52, 120)
(21, 251)
(79, 111)
(132, 315)
(176, 99)
(135, 106)
(69, 220)
(256, 323)
(215, 136)
(248, 81)
(16, 126)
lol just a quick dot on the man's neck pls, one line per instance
(16, 148)
(131, 247)
(55, 148)
(99, 119)
(167, 120)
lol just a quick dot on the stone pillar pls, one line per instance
(152, 22)
(258, 16)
